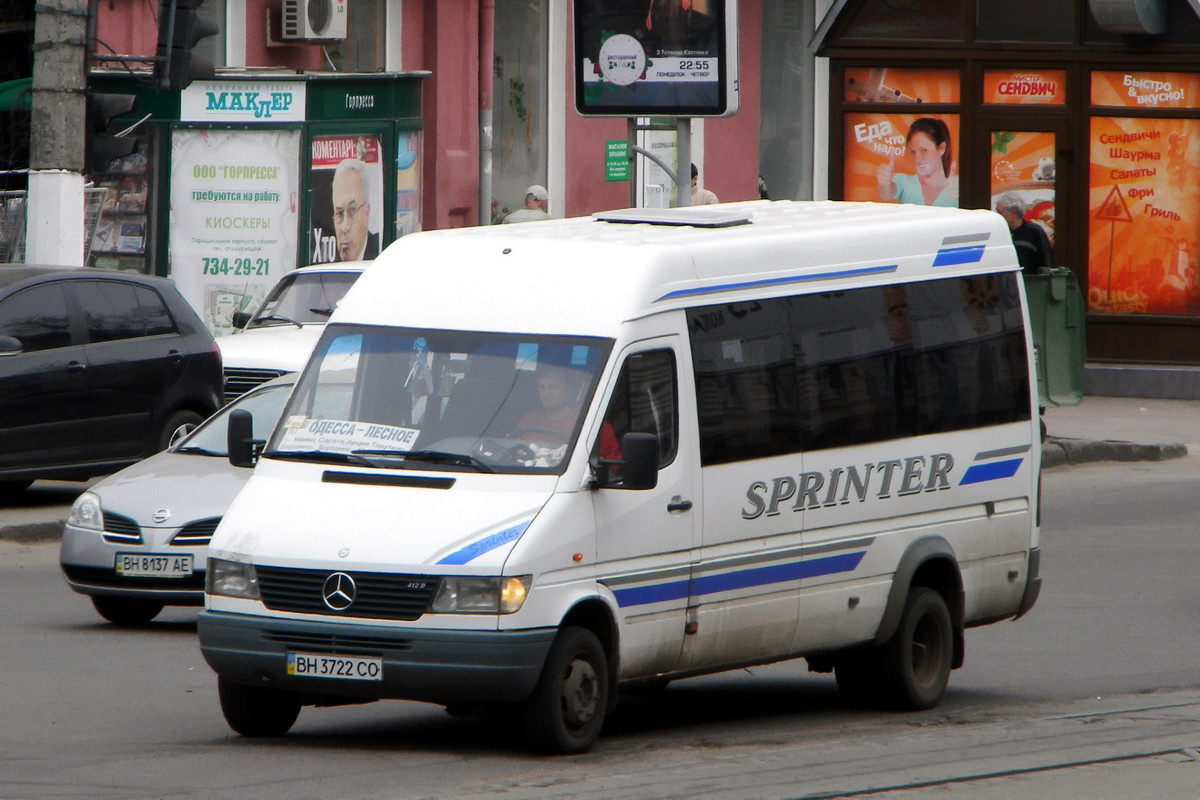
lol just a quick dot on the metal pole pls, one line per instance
(487, 44)
(683, 159)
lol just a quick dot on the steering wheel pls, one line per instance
(548, 437)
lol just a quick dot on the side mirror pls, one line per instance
(240, 318)
(639, 464)
(10, 346)
(243, 447)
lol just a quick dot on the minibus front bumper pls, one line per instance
(440, 666)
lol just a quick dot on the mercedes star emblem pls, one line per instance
(339, 591)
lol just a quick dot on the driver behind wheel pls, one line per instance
(559, 391)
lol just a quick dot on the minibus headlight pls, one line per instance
(232, 579)
(475, 595)
(87, 513)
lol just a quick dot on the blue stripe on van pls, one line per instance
(949, 256)
(741, 579)
(979, 473)
(488, 543)
(733, 287)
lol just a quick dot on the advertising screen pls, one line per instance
(657, 58)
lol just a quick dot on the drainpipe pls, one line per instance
(487, 50)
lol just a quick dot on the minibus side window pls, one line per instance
(644, 401)
(836, 369)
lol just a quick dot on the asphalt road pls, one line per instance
(1095, 694)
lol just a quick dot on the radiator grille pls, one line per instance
(240, 381)
(121, 530)
(196, 533)
(378, 595)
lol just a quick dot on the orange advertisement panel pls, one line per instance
(1146, 89)
(1023, 164)
(1046, 87)
(891, 85)
(1144, 216)
(901, 158)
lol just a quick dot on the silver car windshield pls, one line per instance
(303, 298)
(405, 398)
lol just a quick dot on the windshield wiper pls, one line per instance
(279, 318)
(322, 312)
(200, 451)
(432, 456)
(321, 456)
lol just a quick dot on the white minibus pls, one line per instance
(528, 466)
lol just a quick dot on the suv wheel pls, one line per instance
(179, 424)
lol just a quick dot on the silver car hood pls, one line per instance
(187, 487)
(281, 347)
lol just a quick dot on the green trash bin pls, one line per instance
(1056, 314)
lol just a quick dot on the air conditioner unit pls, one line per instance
(314, 20)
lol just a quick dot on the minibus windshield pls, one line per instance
(465, 401)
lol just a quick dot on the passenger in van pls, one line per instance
(559, 391)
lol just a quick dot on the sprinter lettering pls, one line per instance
(841, 485)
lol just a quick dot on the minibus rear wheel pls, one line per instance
(566, 710)
(914, 665)
(256, 711)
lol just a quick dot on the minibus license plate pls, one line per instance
(318, 665)
(153, 565)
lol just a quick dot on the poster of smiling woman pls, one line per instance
(902, 158)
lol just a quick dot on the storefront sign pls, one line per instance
(347, 198)
(1025, 87)
(616, 160)
(1144, 218)
(902, 158)
(233, 217)
(892, 85)
(1146, 89)
(242, 101)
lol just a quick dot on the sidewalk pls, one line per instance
(1121, 429)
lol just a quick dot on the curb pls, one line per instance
(1057, 451)
(33, 532)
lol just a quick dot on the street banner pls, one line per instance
(233, 218)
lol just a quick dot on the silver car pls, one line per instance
(137, 540)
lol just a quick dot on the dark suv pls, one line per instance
(98, 370)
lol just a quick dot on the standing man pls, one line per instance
(1033, 246)
(701, 197)
(352, 211)
(536, 200)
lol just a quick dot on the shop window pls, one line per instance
(1024, 21)
(117, 211)
(363, 48)
(892, 85)
(520, 93)
(915, 20)
(1143, 214)
(901, 158)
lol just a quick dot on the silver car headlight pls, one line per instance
(476, 595)
(86, 512)
(232, 579)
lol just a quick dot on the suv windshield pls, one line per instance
(303, 298)
(435, 399)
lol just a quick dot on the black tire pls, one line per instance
(566, 710)
(257, 711)
(126, 610)
(914, 665)
(178, 425)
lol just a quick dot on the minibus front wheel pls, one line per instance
(566, 710)
(256, 711)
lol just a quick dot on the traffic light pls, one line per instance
(104, 146)
(180, 29)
